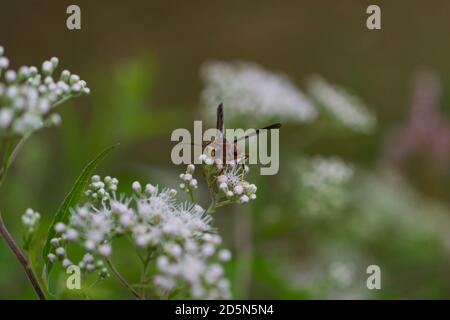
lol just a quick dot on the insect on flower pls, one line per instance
(224, 157)
(223, 153)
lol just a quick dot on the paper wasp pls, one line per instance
(224, 153)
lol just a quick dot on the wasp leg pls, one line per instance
(214, 179)
(246, 156)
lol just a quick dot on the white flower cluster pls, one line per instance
(232, 184)
(346, 108)
(89, 263)
(342, 273)
(30, 220)
(28, 97)
(186, 264)
(179, 236)
(248, 89)
(327, 170)
(228, 180)
(324, 185)
(189, 183)
(100, 191)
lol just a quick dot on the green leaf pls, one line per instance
(74, 196)
(7, 154)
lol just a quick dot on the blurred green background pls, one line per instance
(141, 60)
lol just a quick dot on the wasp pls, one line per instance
(223, 153)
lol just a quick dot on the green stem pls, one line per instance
(143, 275)
(121, 279)
(22, 260)
(12, 157)
(191, 195)
(212, 207)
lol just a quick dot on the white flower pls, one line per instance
(105, 250)
(136, 186)
(60, 227)
(248, 89)
(193, 184)
(189, 183)
(166, 283)
(223, 186)
(149, 188)
(208, 161)
(342, 273)
(190, 169)
(71, 235)
(51, 257)
(30, 220)
(329, 169)
(6, 116)
(66, 263)
(88, 258)
(324, 185)
(180, 234)
(238, 189)
(60, 251)
(244, 199)
(4, 63)
(224, 255)
(208, 249)
(173, 249)
(29, 97)
(346, 108)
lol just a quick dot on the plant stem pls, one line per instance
(212, 207)
(22, 259)
(191, 194)
(144, 272)
(12, 157)
(122, 279)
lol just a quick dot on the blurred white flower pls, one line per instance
(327, 170)
(248, 89)
(348, 109)
(28, 97)
(30, 220)
(324, 186)
(189, 183)
(342, 273)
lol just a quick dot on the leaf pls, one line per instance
(7, 154)
(70, 201)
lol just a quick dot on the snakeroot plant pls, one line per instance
(250, 90)
(176, 237)
(29, 98)
(181, 253)
(175, 241)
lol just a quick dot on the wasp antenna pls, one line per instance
(273, 126)
(219, 125)
(257, 131)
